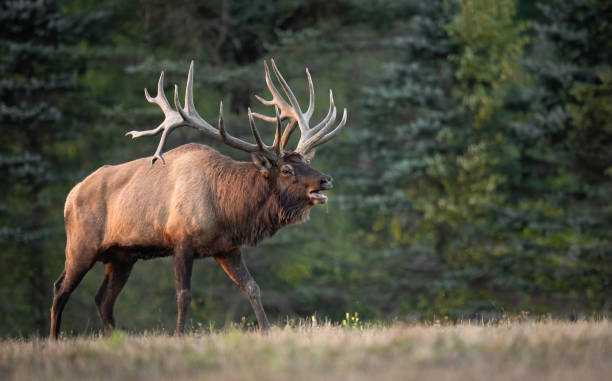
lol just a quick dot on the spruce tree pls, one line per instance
(416, 128)
(565, 155)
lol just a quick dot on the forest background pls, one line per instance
(473, 179)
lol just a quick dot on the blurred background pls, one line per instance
(474, 178)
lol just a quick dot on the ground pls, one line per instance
(506, 350)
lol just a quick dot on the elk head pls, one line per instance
(289, 172)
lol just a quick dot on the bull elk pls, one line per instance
(198, 203)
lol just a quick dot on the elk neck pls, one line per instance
(250, 206)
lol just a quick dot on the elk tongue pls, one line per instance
(317, 198)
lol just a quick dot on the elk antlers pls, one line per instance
(310, 137)
(188, 116)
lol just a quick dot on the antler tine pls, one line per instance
(160, 99)
(296, 111)
(189, 113)
(237, 143)
(221, 127)
(277, 145)
(287, 133)
(318, 139)
(189, 106)
(334, 132)
(311, 96)
(277, 98)
(160, 147)
(255, 132)
(190, 117)
(331, 114)
(263, 117)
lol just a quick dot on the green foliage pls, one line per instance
(591, 114)
(577, 151)
(492, 42)
(494, 217)
(593, 104)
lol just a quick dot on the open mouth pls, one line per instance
(316, 197)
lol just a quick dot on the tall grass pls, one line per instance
(507, 351)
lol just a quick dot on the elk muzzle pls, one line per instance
(314, 194)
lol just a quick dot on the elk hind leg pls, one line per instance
(69, 279)
(116, 275)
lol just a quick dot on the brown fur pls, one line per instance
(199, 204)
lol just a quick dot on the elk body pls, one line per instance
(198, 204)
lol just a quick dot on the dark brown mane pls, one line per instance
(249, 205)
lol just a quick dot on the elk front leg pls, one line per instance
(234, 266)
(183, 265)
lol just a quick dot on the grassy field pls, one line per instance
(502, 351)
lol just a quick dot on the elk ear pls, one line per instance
(262, 163)
(309, 155)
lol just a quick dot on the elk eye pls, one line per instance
(287, 170)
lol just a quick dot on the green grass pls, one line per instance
(507, 351)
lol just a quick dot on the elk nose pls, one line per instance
(326, 182)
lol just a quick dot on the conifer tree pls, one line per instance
(565, 154)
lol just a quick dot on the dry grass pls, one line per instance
(510, 351)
